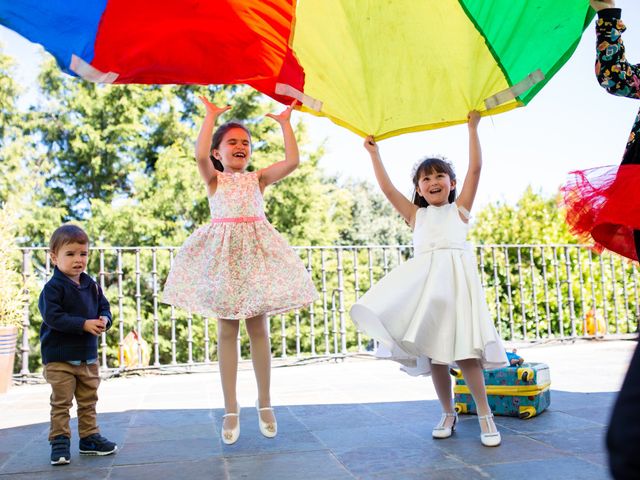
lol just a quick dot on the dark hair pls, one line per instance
(432, 165)
(67, 233)
(216, 140)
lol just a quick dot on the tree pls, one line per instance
(92, 134)
(375, 222)
(538, 278)
(23, 169)
(533, 219)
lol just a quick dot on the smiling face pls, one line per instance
(234, 150)
(435, 183)
(71, 259)
(435, 187)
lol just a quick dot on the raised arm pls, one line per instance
(404, 207)
(614, 72)
(281, 169)
(472, 178)
(203, 144)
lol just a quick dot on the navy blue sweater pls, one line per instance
(65, 306)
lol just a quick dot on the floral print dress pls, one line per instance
(603, 203)
(238, 266)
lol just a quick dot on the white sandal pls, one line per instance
(230, 437)
(268, 429)
(440, 431)
(490, 439)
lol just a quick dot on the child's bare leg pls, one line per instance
(474, 377)
(442, 383)
(261, 358)
(228, 361)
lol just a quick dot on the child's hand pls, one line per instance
(284, 116)
(600, 5)
(370, 144)
(105, 322)
(212, 108)
(94, 326)
(473, 117)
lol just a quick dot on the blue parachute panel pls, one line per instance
(65, 27)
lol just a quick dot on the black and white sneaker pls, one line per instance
(96, 444)
(60, 450)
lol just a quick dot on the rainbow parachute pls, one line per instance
(381, 67)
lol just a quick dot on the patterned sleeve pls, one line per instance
(613, 70)
(615, 73)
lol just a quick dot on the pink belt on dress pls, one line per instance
(237, 219)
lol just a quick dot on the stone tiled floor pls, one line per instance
(357, 418)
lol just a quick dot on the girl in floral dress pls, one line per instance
(238, 266)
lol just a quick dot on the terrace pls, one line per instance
(340, 417)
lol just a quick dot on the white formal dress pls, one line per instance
(433, 305)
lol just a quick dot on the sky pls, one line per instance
(572, 123)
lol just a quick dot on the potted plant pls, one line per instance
(11, 299)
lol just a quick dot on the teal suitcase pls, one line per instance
(518, 391)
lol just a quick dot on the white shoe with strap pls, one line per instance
(440, 430)
(268, 429)
(229, 437)
(492, 438)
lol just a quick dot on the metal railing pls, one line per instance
(534, 292)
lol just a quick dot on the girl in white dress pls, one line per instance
(430, 312)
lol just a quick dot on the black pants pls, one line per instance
(623, 436)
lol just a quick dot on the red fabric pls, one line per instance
(603, 205)
(199, 42)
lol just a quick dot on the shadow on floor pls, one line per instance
(342, 441)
